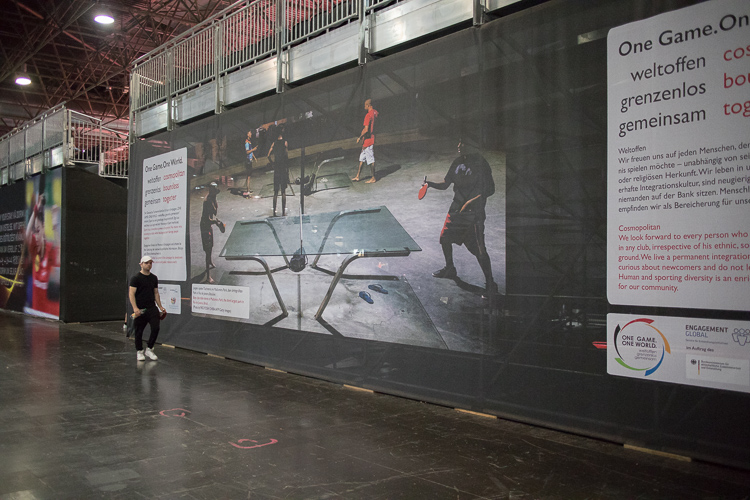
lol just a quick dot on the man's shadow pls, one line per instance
(383, 172)
(473, 289)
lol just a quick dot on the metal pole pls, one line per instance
(45, 153)
(364, 31)
(26, 162)
(135, 97)
(280, 40)
(479, 10)
(67, 139)
(168, 84)
(100, 151)
(302, 178)
(218, 51)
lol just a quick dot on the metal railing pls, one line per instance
(116, 156)
(62, 137)
(89, 142)
(242, 34)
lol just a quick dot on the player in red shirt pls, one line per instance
(41, 262)
(368, 137)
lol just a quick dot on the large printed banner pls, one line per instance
(701, 352)
(165, 185)
(30, 245)
(12, 236)
(229, 301)
(679, 159)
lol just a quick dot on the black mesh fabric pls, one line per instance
(528, 92)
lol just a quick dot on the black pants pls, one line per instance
(150, 317)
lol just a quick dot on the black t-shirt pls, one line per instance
(471, 175)
(279, 152)
(210, 207)
(144, 290)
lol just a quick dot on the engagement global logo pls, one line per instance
(640, 346)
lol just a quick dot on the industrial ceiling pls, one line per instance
(71, 58)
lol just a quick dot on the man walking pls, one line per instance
(368, 138)
(146, 303)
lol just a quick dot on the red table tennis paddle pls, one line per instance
(423, 189)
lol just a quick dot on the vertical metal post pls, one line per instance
(26, 162)
(479, 10)
(218, 67)
(100, 147)
(302, 174)
(67, 139)
(134, 98)
(364, 32)
(45, 153)
(169, 83)
(280, 41)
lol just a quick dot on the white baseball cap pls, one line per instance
(146, 258)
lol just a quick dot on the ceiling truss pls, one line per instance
(70, 58)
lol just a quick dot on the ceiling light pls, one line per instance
(23, 80)
(104, 19)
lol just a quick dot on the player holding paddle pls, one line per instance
(208, 220)
(471, 177)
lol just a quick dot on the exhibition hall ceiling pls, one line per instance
(71, 58)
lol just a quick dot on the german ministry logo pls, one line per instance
(640, 346)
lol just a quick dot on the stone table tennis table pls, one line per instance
(353, 234)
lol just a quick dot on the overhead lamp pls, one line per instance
(22, 77)
(103, 15)
(104, 18)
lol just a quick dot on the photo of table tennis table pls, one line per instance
(351, 234)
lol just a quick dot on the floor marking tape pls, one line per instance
(658, 453)
(475, 413)
(355, 388)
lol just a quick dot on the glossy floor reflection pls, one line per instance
(80, 418)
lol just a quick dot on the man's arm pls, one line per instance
(364, 131)
(158, 299)
(489, 182)
(38, 207)
(30, 228)
(441, 186)
(131, 295)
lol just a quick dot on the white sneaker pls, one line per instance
(139, 356)
(150, 354)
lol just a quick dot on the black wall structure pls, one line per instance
(529, 93)
(14, 215)
(81, 221)
(94, 251)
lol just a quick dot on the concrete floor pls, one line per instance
(427, 311)
(80, 418)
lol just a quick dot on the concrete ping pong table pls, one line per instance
(355, 234)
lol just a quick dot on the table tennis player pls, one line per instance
(472, 181)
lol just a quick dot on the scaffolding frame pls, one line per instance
(62, 137)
